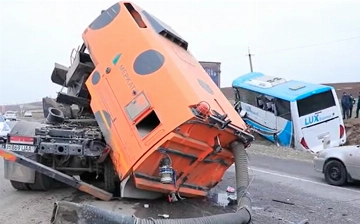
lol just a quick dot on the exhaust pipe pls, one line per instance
(72, 213)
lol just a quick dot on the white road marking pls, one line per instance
(259, 170)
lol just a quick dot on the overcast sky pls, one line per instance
(315, 41)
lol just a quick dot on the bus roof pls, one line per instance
(290, 90)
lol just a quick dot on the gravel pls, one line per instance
(264, 147)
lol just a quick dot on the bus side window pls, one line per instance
(283, 109)
(260, 102)
(272, 107)
(268, 103)
(247, 96)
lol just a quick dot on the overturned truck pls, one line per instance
(140, 118)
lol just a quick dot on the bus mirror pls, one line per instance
(242, 113)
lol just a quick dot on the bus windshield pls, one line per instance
(315, 103)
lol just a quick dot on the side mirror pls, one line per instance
(237, 106)
(242, 113)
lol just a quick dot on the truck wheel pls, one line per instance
(42, 183)
(87, 176)
(335, 173)
(19, 185)
(110, 176)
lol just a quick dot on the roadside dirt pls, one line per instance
(264, 147)
(352, 127)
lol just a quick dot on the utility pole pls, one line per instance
(250, 61)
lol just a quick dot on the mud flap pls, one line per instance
(19, 173)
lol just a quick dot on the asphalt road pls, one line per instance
(302, 194)
(296, 182)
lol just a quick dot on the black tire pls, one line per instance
(87, 176)
(335, 173)
(19, 185)
(42, 183)
(110, 176)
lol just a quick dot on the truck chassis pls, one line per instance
(59, 152)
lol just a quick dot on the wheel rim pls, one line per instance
(335, 173)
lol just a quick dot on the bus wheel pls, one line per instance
(335, 173)
(19, 185)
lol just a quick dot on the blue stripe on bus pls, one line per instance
(282, 91)
(284, 136)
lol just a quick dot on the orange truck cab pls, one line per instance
(166, 124)
(153, 99)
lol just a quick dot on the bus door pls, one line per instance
(284, 123)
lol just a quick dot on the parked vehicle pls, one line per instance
(10, 115)
(290, 113)
(4, 129)
(28, 114)
(339, 165)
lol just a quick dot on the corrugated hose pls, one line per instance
(65, 212)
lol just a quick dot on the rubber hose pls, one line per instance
(241, 176)
(69, 212)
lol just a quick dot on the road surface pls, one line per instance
(283, 191)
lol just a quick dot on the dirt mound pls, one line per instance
(353, 131)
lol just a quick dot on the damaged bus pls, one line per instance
(290, 113)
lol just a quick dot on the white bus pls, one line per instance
(290, 113)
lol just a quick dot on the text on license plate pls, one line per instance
(20, 148)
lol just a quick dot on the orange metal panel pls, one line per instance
(140, 73)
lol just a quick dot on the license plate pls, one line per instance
(20, 148)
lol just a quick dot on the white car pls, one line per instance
(4, 129)
(10, 115)
(339, 164)
(27, 114)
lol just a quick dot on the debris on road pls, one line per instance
(284, 202)
(230, 189)
(305, 221)
(165, 216)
